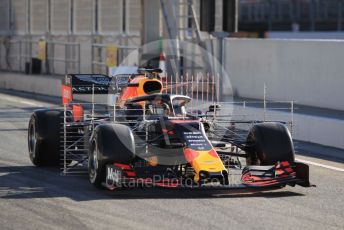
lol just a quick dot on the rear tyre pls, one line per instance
(111, 143)
(44, 137)
(270, 143)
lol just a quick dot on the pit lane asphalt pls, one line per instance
(35, 198)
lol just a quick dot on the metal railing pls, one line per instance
(14, 53)
(70, 58)
(99, 55)
(61, 57)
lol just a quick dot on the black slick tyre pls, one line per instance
(269, 143)
(44, 137)
(110, 143)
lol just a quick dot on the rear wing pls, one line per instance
(74, 84)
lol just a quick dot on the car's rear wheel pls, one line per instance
(269, 143)
(32, 139)
(44, 137)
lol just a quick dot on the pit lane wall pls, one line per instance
(310, 72)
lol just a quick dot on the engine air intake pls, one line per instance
(151, 87)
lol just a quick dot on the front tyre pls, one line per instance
(110, 143)
(269, 143)
(96, 172)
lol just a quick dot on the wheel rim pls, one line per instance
(32, 139)
(93, 163)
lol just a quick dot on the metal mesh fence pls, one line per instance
(83, 20)
(4, 16)
(60, 16)
(19, 16)
(133, 16)
(110, 16)
(38, 16)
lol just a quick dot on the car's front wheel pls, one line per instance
(269, 143)
(95, 171)
(111, 143)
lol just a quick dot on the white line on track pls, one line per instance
(21, 101)
(320, 165)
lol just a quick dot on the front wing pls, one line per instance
(253, 177)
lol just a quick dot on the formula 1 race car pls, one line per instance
(147, 135)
